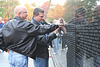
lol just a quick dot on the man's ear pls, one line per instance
(18, 14)
(35, 16)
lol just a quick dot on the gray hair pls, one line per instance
(37, 11)
(18, 9)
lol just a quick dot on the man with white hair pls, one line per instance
(20, 37)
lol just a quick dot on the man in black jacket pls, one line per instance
(42, 53)
(20, 37)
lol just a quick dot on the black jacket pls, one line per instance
(20, 35)
(43, 40)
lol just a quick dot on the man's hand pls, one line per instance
(64, 29)
(56, 31)
(60, 24)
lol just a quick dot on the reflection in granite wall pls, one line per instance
(83, 45)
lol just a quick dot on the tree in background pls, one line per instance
(2, 9)
(45, 7)
(8, 7)
(70, 7)
(56, 12)
(10, 4)
(33, 4)
(30, 12)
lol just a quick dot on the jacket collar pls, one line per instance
(18, 19)
(34, 21)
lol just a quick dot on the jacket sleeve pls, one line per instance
(35, 30)
(45, 39)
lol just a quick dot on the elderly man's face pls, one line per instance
(23, 14)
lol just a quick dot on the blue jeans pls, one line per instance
(41, 62)
(60, 40)
(34, 62)
(56, 43)
(17, 60)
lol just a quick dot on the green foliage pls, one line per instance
(33, 5)
(70, 7)
(7, 8)
(2, 9)
(49, 19)
(2, 12)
